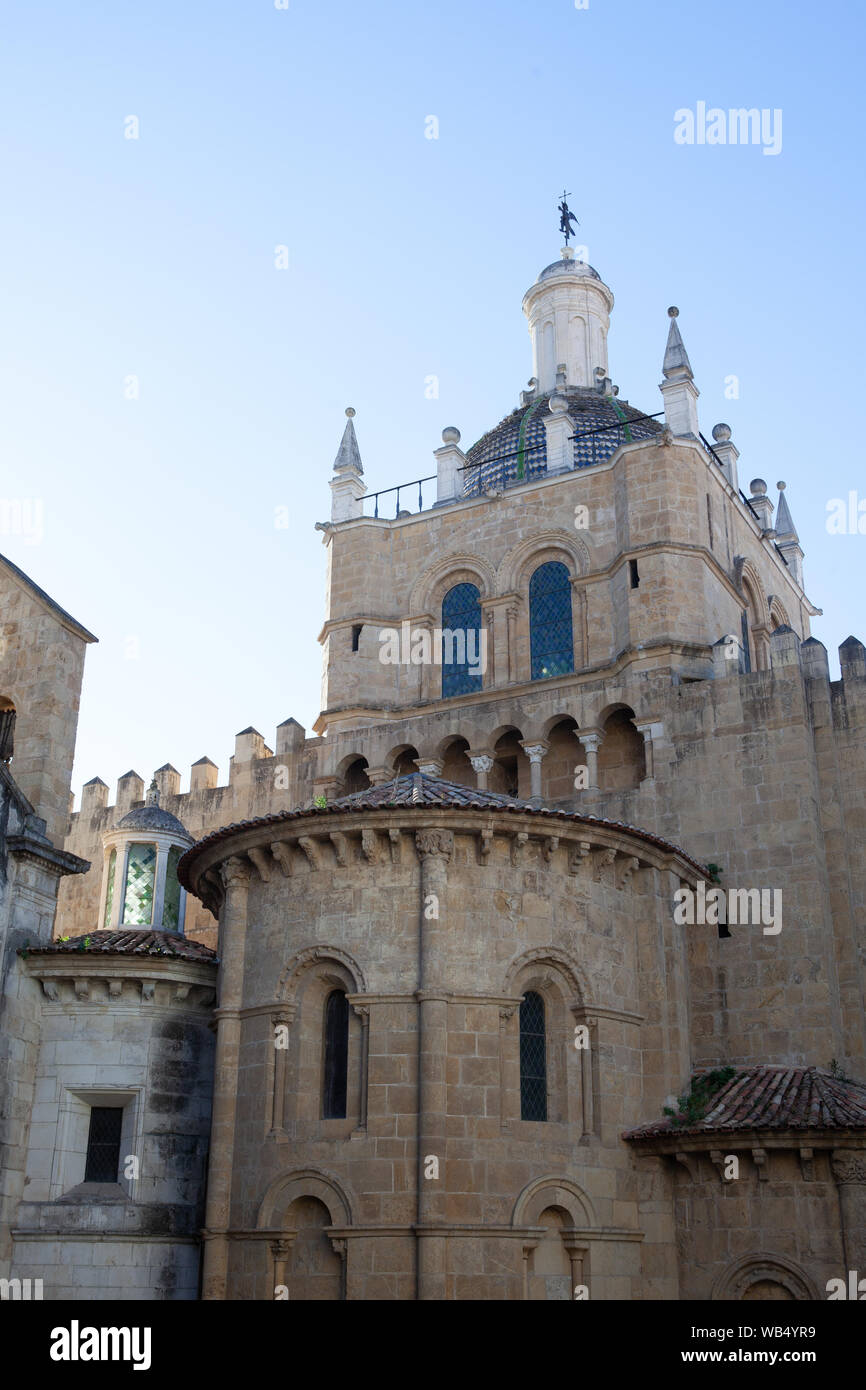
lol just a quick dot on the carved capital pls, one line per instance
(849, 1165)
(281, 1249)
(436, 843)
(235, 873)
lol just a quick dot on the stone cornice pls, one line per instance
(42, 852)
(309, 842)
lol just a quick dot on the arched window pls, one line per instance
(461, 640)
(550, 628)
(533, 1058)
(7, 729)
(336, 1056)
(138, 889)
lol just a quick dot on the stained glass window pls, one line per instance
(336, 1056)
(138, 897)
(171, 898)
(551, 639)
(109, 888)
(533, 1059)
(461, 639)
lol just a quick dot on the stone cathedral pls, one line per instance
(535, 972)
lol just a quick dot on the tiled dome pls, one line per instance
(516, 449)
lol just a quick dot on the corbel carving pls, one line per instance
(283, 855)
(807, 1164)
(263, 868)
(82, 988)
(759, 1158)
(395, 841)
(147, 991)
(51, 990)
(578, 855)
(691, 1163)
(370, 846)
(341, 847)
(549, 848)
(485, 845)
(115, 989)
(626, 870)
(311, 850)
(518, 847)
(602, 858)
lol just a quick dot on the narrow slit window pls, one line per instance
(356, 636)
(336, 1056)
(633, 575)
(533, 1058)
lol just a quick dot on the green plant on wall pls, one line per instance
(695, 1103)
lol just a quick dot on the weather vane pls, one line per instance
(566, 218)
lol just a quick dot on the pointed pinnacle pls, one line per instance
(676, 361)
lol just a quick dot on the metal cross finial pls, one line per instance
(566, 218)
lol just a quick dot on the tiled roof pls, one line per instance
(773, 1098)
(142, 942)
(416, 789)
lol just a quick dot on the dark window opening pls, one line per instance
(710, 520)
(7, 730)
(103, 1143)
(336, 1056)
(533, 1059)
(356, 636)
(633, 576)
(744, 627)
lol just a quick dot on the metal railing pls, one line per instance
(404, 488)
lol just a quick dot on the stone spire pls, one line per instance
(347, 485)
(676, 362)
(787, 539)
(678, 389)
(349, 455)
(785, 529)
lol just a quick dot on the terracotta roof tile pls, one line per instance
(140, 942)
(768, 1097)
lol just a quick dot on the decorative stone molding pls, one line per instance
(313, 955)
(734, 1281)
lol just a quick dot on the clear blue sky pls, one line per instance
(408, 257)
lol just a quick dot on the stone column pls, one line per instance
(592, 742)
(579, 622)
(482, 766)
(363, 1012)
(849, 1173)
(281, 1018)
(577, 1252)
(280, 1252)
(435, 848)
(511, 616)
(232, 939)
(646, 732)
(535, 752)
